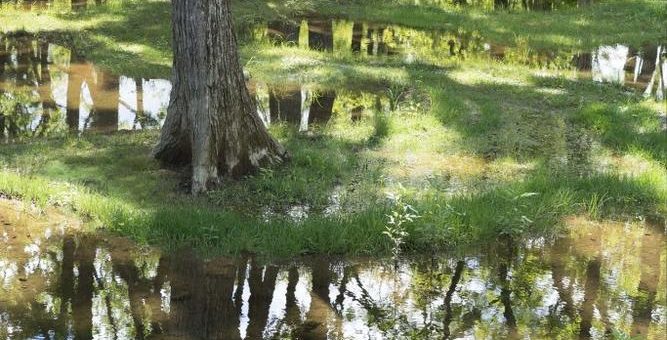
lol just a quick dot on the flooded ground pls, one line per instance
(602, 280)
(47, 89)
(532, 5)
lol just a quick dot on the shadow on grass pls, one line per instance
(576, 28)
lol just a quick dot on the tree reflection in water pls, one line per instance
(589, 284)
(46, 90)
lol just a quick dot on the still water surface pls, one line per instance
(601, 280)
(46, 89)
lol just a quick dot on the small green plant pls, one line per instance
(381, 122)
(514, 221)
(401, 214)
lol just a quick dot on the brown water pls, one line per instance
(602, 280)
(45, 89)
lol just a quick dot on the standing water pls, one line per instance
(602, 280)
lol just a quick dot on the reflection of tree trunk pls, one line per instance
(558, 258)
(140, 102)
(320, 35)
(74, 84)
(238, 294)
(274, 107)
(376, 41)
(201, 305)
(590, 296)
(66, 288)
(340, 299)
(656, 73)
(583, 61)
(161, 277)
(105, 98)
(44, 74)
(501, 4)
(321, 108)
(222, 320)
(79, 4)
(128, 272)
(4, 56)
(652, 244)
(316, 319)
(44, 85)
(240, 283)
(306, 101)
(82, 301)
(23, 59)
(448, 297)
(357, 37)
(338, 304)
(291, 308)
(261, 294)
(44, 88)
(107, 303)
(285, 107)
(283, 31)
(505, 298)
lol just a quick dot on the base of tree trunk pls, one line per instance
(212, 123)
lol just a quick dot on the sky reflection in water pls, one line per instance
(603, 279)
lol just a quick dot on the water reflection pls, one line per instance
(51, 4)
(603, 279)
(45, 89)
(614, 64)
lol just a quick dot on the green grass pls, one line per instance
(133, 37)
(479, 148)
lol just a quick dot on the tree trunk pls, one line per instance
(212, 121)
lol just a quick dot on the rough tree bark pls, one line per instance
(212, 121)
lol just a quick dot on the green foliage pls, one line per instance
(396, 230)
